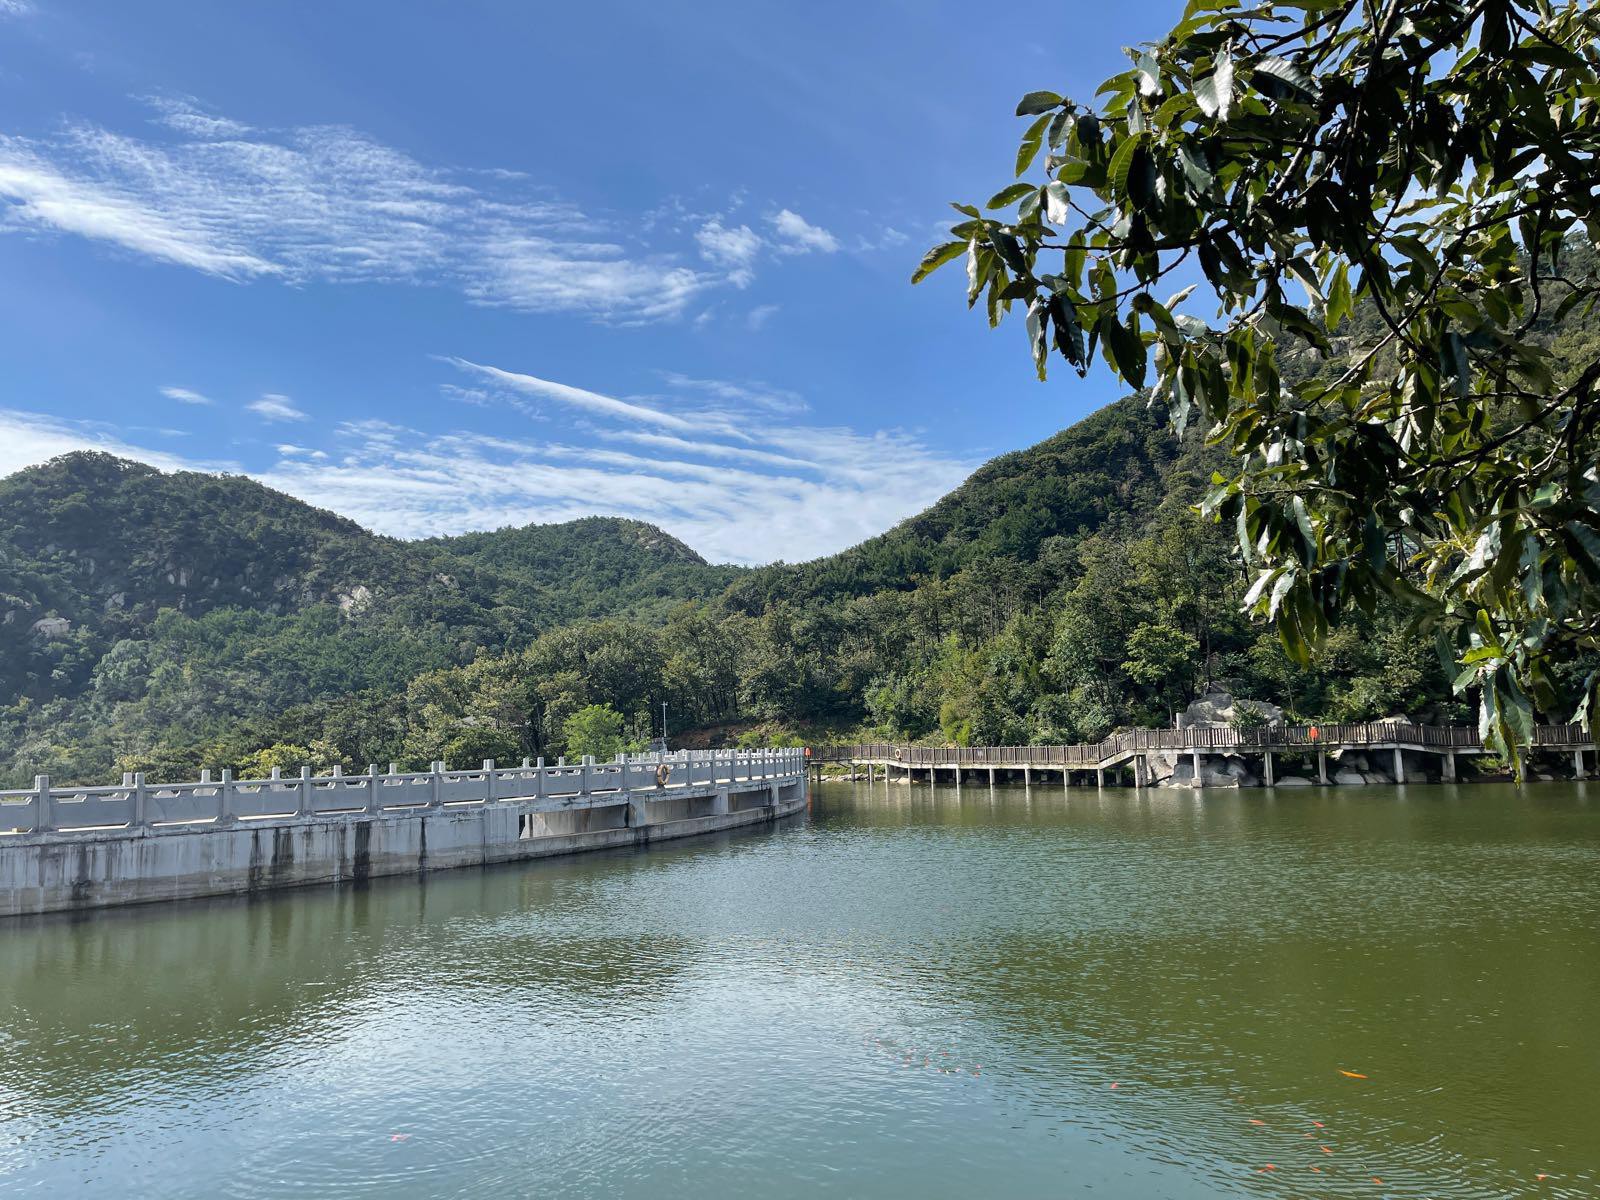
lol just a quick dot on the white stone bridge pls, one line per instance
(84, 847)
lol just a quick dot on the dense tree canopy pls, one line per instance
(1393, 203)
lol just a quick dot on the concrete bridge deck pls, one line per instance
(86, 847)
(1135, 751)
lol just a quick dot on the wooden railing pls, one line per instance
(1266, 737)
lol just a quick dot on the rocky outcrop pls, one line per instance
(51, 627)
(1219, 709)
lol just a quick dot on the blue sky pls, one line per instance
(453, 266)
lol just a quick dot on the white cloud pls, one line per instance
(758, 316)
(29, 438)
(574, 397)
(42, 197)
(800, 236)
(15, 8)
(729, 468)
(734, 249)
(748, 394)
(273, 407)
(185, 395)
(185, 116)
(847, 487)
(327, 203)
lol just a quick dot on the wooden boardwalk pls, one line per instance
(1132, 751)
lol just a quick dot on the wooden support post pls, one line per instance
(1100, 777)
(991, 777)
(1449, 766)
(1066, 781)
(1267, 776)
(1199, 778)
(1399, 766)
(1322, 767)
(1027, 777)
(1578, 771)
(958, 776)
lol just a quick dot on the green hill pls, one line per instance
(140, 608)
(595, 565)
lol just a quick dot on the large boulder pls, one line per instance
(1175, 768)
(1219, 709)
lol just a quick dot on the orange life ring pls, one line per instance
(663, 773)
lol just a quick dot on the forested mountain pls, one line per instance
(165, 622)
(139, 607)
(1060, 591)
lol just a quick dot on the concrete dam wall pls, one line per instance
(79, 848)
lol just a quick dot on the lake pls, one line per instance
(1348, 992)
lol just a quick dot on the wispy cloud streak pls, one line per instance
(327, 203)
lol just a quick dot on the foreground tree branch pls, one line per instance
(1393, 204)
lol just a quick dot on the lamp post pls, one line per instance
(663, 726)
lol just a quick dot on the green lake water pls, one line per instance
(907, 993)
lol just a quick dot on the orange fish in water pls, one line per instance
(1541, 1176)
(1353, 1074)
(1318, 1170)
(1377, 1181)
(1253, 1121)
(1324, 1149)
(1113, 1087)
(1265, 1169)
(1318, 1124)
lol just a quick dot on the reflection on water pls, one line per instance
(911, 993)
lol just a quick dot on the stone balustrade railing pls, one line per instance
(136, 804)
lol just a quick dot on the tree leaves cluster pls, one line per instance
(1431, 162)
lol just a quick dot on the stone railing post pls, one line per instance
(436, 800)
(141, 801)
(225, 798)
(372, 787)
(45, 821)
(488, 781)
(588, 765)
(538, 778)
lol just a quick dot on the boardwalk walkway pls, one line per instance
(1145, 751)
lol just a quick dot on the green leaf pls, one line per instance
(1123, 348)
(1008, 196)
(1038, 334)
(1037, 102)
(1122, 163)
(1214, 93)
(1340, 302)
(1010, 251)
(1286, 72)
(1029, 149)
(936, 258)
